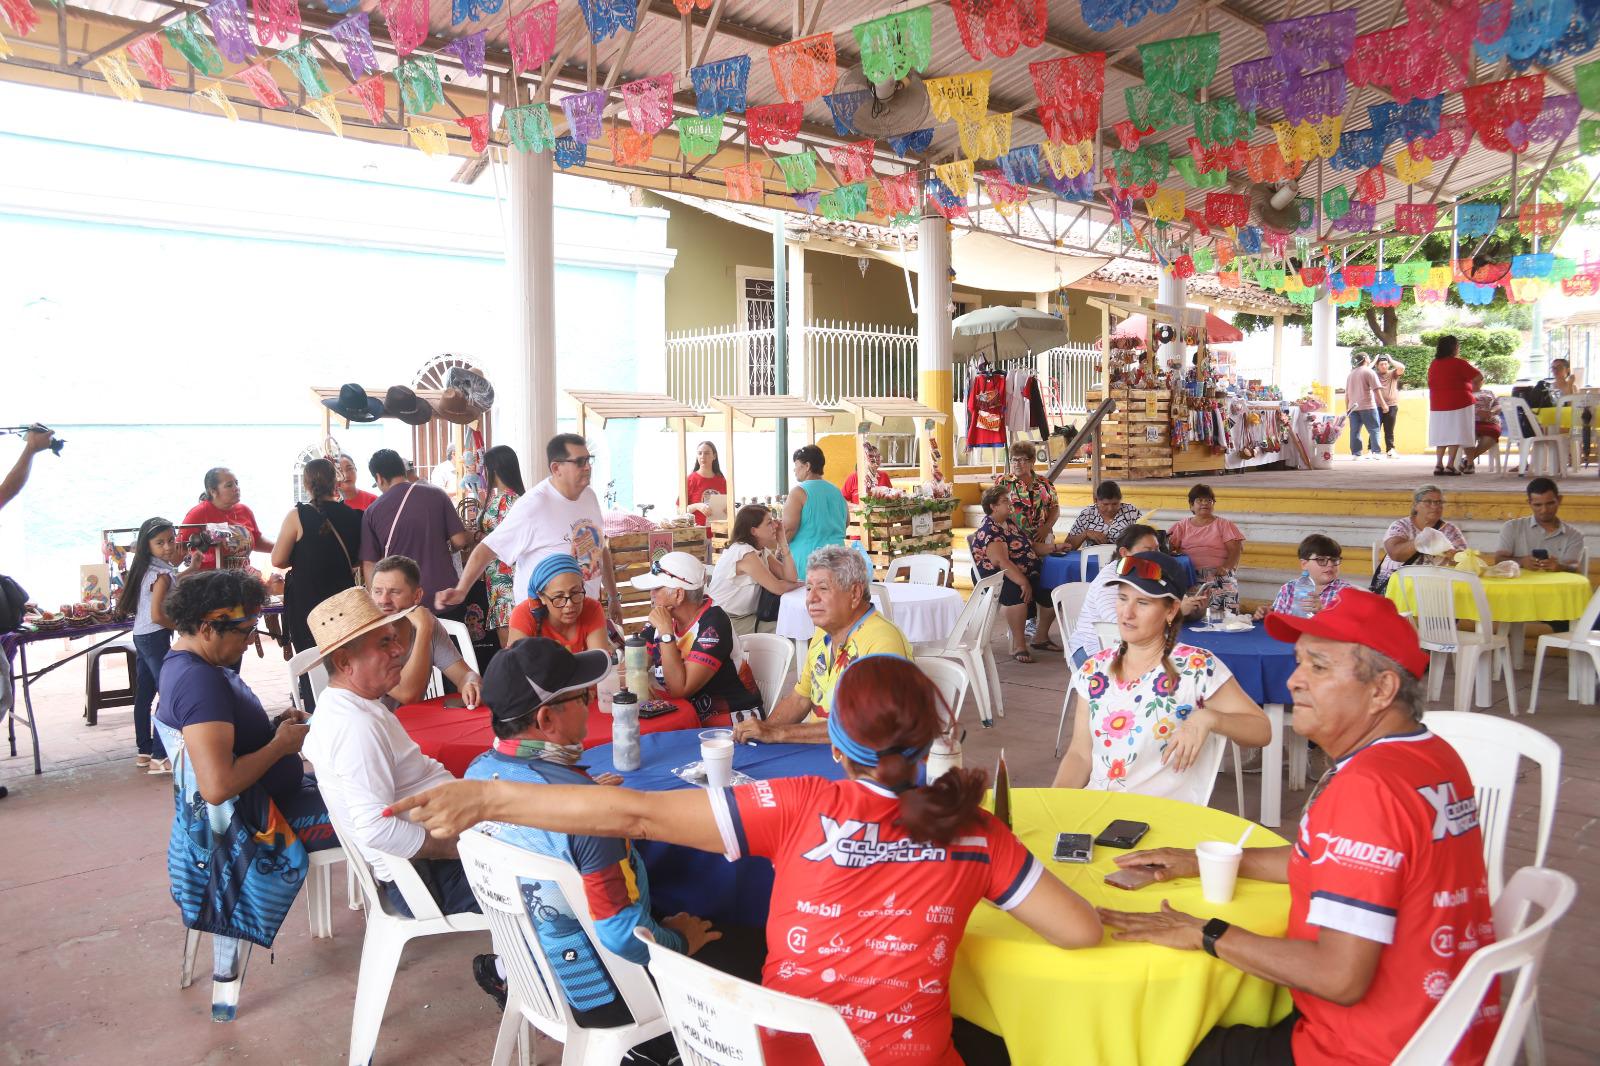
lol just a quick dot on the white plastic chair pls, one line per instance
(1518, 951)
(1109, 633)
(1582, 645)
(1377, 555)
(503, 878)
(458, 632)
(1429, 596)
(969, 645)
(951, 681)
(884, 599)
(1100, 553)
(769, 656)
(1067, 600)
(1541, 452)
(387, 935)
(1577, 403)
(921, 570)
(1491, 749)
(714, 1016)
(301, 664)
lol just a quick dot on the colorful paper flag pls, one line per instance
(462, 10)
(985, 137)
(186, 36)
(570, 152)
(744, 182)
(649, 102)
(606, 17)
(720, 87)
(276, 20)
(408, 25)
(804, 69)
(146, 51)
(469, 50)
(842, 108)
(326, 111)
(304, 66)
(530, 128)
(354, 35)
(218, 96)
(115, 70)
(20, 16)
(896, 44)
(773, 124)
(914, 143)
(231, 28)
(698, 135)
(631, 147)
(431, 138)
(372, 93)
(533, 35)
(799, 170)
(955, 176)
(960, 95)
(844, 203)
(583, 111)
(1001, 25)
(418, 78)
(262, 85)
(477, 127)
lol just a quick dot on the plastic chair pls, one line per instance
(96, 697)
(769, 656)
(507, 881)
(1067, 600)
(1582, 406)
(969, 645)
(1491, 749)
(885, 601)
(300, 665)
(1429, 595)
(714, 1016)
(387, 935)
(951, 681)
(1582, 645)
(458, 633)
(1100, 553)
(1546, 450)
(1518, 952)
(921, 570)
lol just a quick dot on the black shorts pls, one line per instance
(1011, 592)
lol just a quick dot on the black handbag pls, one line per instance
(767, 606)
(14, 604)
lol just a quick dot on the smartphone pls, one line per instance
(1073, 847)
(1131, 877)
(1540, 553)
(1122, 833)
(455, 703)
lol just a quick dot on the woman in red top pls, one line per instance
(932, 849)
(556, 608)
(351, 496)
(876, 477)
(220, 505)
(1452, 387)
(706, 477)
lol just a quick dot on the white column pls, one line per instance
(1172, 292)
(799, 319)
(527, 396)
(1324, 320)
(933, 338)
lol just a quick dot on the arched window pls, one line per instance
(431, 443)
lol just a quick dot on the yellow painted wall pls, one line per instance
(1410, 429)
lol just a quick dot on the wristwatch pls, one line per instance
(1208, 936)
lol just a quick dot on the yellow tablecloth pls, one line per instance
(1547, 417)
(1530, 597)
(1121, 1002)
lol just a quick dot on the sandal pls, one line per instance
(1448, 471)
(1046, 645)
(1022, 656)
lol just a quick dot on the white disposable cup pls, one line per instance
(716, 755)
(1219, 869)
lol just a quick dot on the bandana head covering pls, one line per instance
(550, 568)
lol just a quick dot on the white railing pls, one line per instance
(840, 359)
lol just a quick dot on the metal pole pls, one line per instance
(780, 340)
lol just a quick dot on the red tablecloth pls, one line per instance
(455, 736)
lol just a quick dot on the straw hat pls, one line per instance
(343, 617)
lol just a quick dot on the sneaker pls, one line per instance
(142, 761)
(1391, 454)
(160, 766)
(483, 972)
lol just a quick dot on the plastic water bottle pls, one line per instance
(636, 666)
(1306, 601)
(625, 731)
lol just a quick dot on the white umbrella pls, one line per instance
(1006, 332)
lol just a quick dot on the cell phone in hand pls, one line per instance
(1122, 833)
(1074, 847)
(1540, 553)
(1131, 877)
(454, 703)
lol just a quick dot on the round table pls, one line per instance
(1121, 1002)
(1262, 667)
(921, 612)
(1530, 597)
(686, 879)
(1063, 568)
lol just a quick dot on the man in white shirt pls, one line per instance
(560, 514)
(363, 757)
(396, 586)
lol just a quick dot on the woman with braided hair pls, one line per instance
(1147, 707)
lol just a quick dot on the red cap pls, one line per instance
(1356, 616)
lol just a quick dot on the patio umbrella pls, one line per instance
(1006, 332)
(1217, 331)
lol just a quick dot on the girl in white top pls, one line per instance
(757, 557)
(1147, 707)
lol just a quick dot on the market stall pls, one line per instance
(891, 522)
(748, 412)
(607, 406)
(434, 438)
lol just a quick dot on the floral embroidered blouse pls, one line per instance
(501, 578)
(1132, 722)
(1018, 547)
(1029, 502)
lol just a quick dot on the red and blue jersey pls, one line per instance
(1390, 851)
(863, 917)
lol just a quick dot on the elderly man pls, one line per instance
(1103, 522)
(560, 514)
(413, 519)
(1541, 540)
(363, 757)
(691, 645)
(1388, 896)
(396, 586)
(839, 601)
(540, 693)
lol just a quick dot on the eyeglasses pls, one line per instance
(1149, 569)
(561, 599)
(579, 461)
(1324, 560)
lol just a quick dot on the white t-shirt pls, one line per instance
(543, 522)
(364, 762)
(1099, 605)
(734, 592)
(1131, 723)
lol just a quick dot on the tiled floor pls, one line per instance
(90, 940)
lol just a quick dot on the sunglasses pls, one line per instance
(579, 461)
(234, 625)
(1149, 569)
(657, 569)
(1324, 560)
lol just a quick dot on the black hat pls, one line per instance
(533, 672)
(400, 402)
(354, 404)
(1152, 573)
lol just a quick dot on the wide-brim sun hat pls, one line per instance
(400, 402)
(453, 406)
(344, 617)
(476, 388)
(354, 405)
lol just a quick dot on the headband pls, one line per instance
(550, 568)
(853, 749)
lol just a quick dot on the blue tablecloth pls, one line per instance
(685, 879)
(1261, 664)
(1064, 568)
